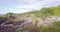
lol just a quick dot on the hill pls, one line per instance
(50, 11)
(44, 20)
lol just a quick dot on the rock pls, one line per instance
(7, 29)
(26, 31)
(2, 20)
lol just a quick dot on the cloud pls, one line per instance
(20, 6)
(32, 4)
(49, 3)
(36, 4)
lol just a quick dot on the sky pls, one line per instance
(21, 6)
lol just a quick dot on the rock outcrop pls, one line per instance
(15, 22)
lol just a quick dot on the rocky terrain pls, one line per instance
(13, 23)
(44, 20)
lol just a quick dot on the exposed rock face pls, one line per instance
(2, 20)
(9, 25)
(7, 29)
(13, 23)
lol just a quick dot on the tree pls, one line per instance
(8, 15)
